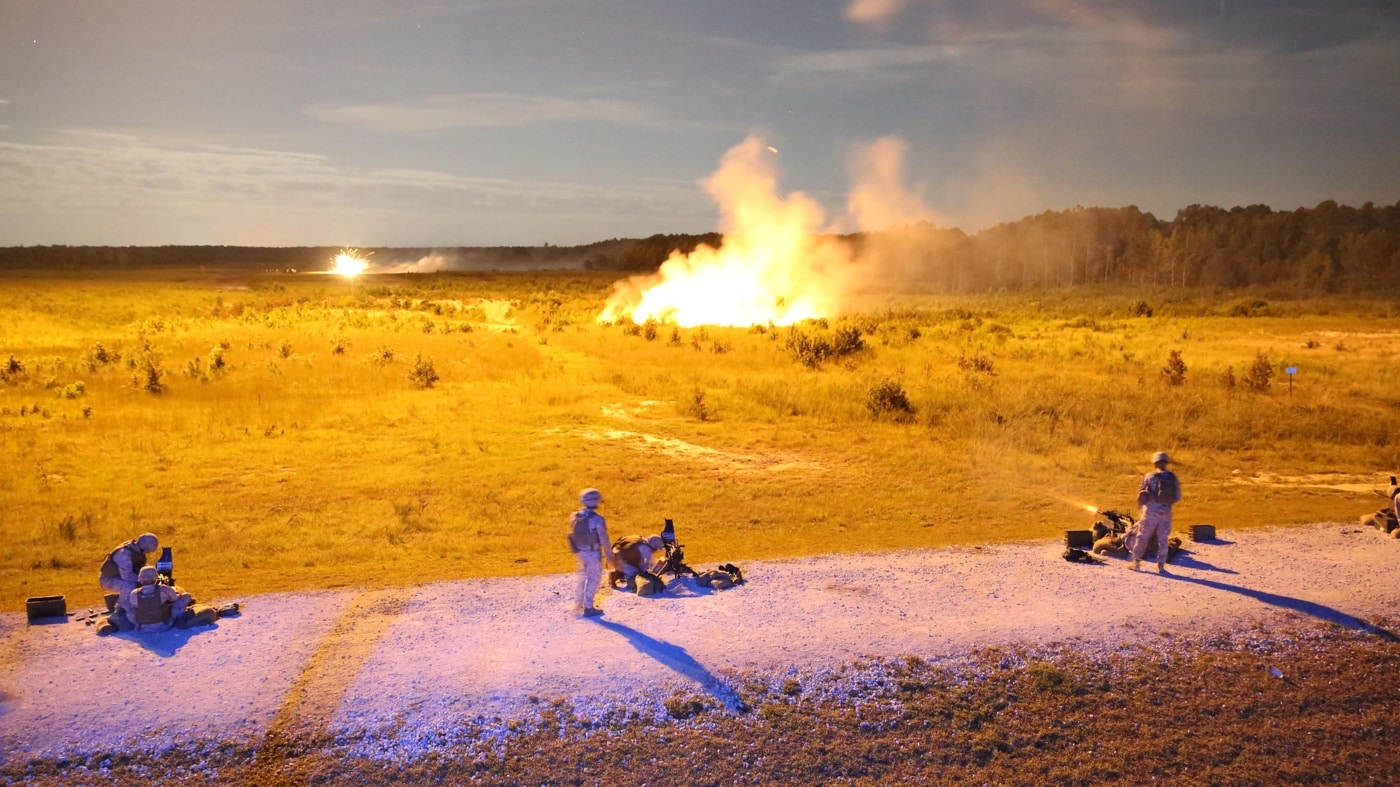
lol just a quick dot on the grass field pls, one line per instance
(292, 432)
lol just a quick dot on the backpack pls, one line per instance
(581, 536)
(1168, 488)
(1161, 488)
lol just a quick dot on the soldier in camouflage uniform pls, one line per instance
(1160, 491)
(588, 538)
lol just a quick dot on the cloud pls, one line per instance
(195, 193)
(874, 11)
(862, 65)
(489, 110)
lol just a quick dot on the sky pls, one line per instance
(523, 122)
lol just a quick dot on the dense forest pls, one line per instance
(1329, 247)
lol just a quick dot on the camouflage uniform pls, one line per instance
(1160, 491)
(588, 538)
(119, 569)
(636, 554)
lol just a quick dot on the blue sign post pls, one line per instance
(1290, 371)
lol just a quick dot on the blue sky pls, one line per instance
(555, 121)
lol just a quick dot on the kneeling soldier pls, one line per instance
(636, 555)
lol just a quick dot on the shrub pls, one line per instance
(148, 376)
(1260, 375)
(976, 363)
(814, 349)
(146, 372)
(423, 374)
(216, 361)
(284, 349)
(1228, 379)
(12, 369)
(1175, 370)
(649, 329)
(887, 398)
(383, 356)
(98, 356)
(694, 405)
(339, 345)
(73, 390)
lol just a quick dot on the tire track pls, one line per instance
(303, 720)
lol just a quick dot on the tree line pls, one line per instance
(1327, 248)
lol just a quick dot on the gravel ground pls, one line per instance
(395, 673)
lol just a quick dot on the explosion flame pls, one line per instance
(773, 266)
(778, 263)
(349, 263)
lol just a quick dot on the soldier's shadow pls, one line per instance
(1187, 559)
(676, 658)
(1312, 608)
(164, 643)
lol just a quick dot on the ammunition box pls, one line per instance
(1203, 532)
(1083, 539)
(41, 607)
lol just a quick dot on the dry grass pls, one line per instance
(290, 449)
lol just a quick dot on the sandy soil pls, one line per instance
(416, 665)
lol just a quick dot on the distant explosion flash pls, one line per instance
(349, 263)
(778, 263)
(771, 268)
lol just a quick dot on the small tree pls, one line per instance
(1175, 370)
(12, 369)
(1258, 378)
(148, 376)
(423, 374)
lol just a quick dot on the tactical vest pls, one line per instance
(138, 559)
(583, 537)
(150, 607)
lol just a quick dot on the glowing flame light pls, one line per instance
(773, 266)
(349, 263)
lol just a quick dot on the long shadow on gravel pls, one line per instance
(676, 658)
(1319, 611)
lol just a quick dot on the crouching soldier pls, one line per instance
(635, 555)
(118, 572)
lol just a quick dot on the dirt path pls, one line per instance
(410, 669)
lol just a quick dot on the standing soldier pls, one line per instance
(1159, 492)
(588, 538)
(119, 571)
